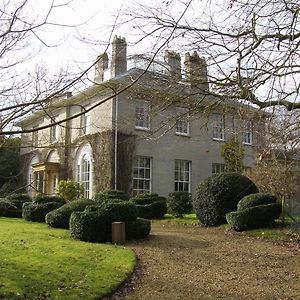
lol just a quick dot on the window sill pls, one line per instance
(183, 134)
(247, 144)
(142, 128)
(218, 140)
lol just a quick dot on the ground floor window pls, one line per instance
(217, 168)
(142, 175)
(182, 175)
(84, 174)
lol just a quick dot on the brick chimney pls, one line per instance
(119, 56)
(100, 66)
(173, 64)
(196, 71)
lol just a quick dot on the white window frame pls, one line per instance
(218, 127)
(247, 133)
(35, 137)
(182, 175)
(85, 123)
(142, 175)
(142, 115)
(84, 174)
(217, 168)
(182, 122)
(53, 132)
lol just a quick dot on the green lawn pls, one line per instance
(188, 219)
(38, 262)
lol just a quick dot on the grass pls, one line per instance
(188, 219)
(38, 262)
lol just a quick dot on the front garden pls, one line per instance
(38, 262)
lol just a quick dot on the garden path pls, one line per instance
(192, 262)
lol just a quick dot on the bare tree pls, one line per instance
(252, 47)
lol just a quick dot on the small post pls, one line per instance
(118, 235)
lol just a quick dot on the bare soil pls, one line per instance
(191, 262)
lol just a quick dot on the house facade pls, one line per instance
(143, 126)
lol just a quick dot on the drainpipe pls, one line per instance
(116, 143)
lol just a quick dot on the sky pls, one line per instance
(86, 27)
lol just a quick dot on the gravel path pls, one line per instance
(191, 262)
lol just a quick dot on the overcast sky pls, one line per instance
(89, 25)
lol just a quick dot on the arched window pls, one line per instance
(85, 174)
(84, 169)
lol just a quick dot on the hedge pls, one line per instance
(96, 226)
(219, 194)
(11, 206)
(254, 217)
(108, 195)
(59, 218)
(255, 200)
(41, 199)
(150, 206)
(179, 203)
(36, 212)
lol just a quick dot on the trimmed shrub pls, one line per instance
(70, 190)
(254, 217)
(41, 199)
(12, 205)
(179, 203)
(36, 212)
(219, 194)
(144, 198)
(150, 206)
(108, 195)
(142, 228)
(59, 218)
(96, 226)
(255, 200)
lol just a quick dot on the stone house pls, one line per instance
(143, 126)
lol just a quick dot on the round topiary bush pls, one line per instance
(36, 212)
(255, 200)
(179, 203)
(41, 198)
(219, 194)
(96, 226)
(150, 206)
(254, 217)
(59, 218)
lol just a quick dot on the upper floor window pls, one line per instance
(142, 114)
(142, 175)
(85, 124)
(218, 168)
(53, 132)
(182, 122)
(35, 137)
(218, 127)
(182, 175)
(247, 136)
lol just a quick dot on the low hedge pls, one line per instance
(179, 203)
(150, 206)
(11, 206)
(41, 199)
(59, 218)
(255, 200)
(36, 212)
(95, 226)
(108, 195)
(254, 217)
